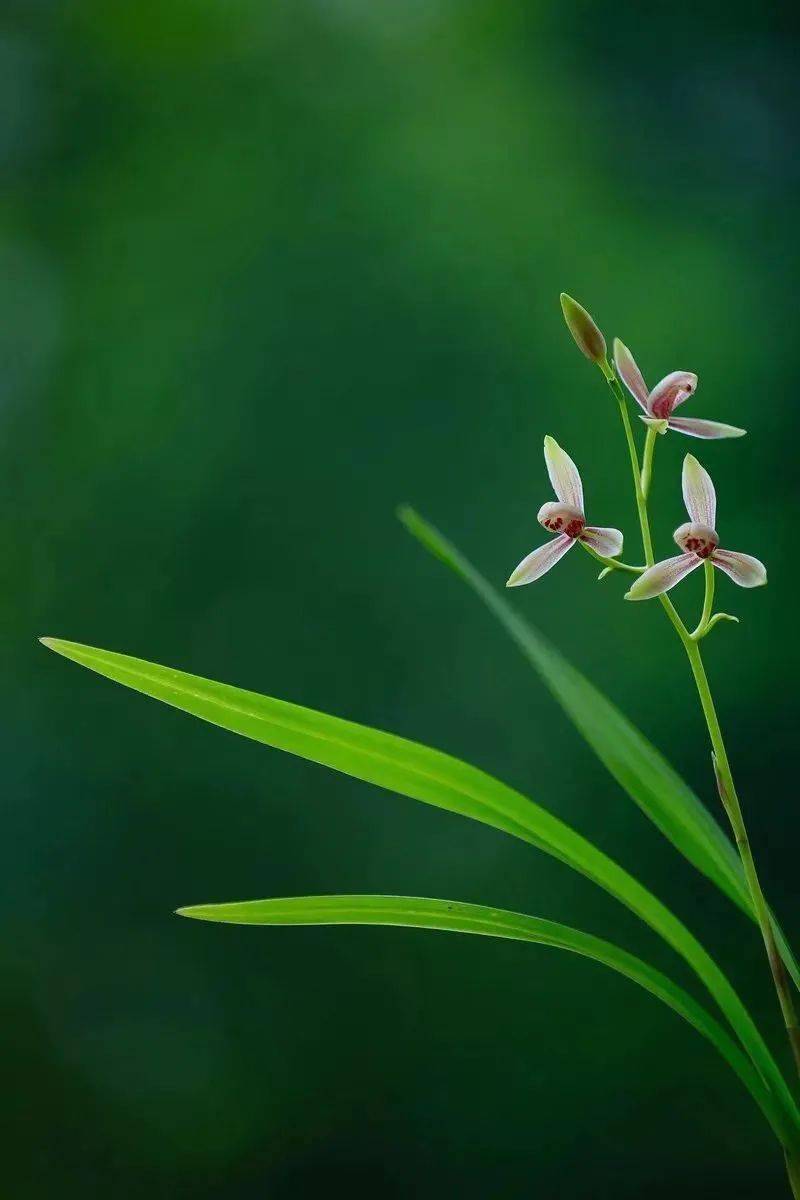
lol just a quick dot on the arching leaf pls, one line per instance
(422, 773)
(451, 915)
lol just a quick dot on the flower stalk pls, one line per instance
(641, 502)
(724, 776)
(611, 564)
(699, 545)
(708, 603)
(730, 802)
(647, 460)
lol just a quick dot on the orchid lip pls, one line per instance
(562, 518)
(671, 392)
(697, 539)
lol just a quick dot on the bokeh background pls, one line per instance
(266, 270)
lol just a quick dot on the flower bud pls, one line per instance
(588, 337)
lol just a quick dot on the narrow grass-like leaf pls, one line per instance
(450, 915)
(436, 778)
(634, 762)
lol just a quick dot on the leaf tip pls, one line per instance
(406, 515)
(52, 643)
(62, 646)
(197, 911)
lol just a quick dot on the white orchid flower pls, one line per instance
(665, 397)
(699, 541)
(564, 517)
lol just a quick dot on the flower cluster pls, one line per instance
(697, 538)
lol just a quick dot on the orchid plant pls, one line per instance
(436, 778)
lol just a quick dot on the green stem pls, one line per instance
(708, 603)
(641, 501)
(647, 460)
(727, 788)
(730, 801)
(611, 564)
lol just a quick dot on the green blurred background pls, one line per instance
(266, 270)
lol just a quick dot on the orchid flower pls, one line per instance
(665, 397)
(564, 517)
(699, 542)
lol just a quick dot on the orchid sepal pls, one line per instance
(698, 427)
(663, 576)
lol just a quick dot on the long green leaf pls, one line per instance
(429, 775)
(422, 913)
(633, 761)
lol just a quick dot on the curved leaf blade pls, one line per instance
(454, 916)
(421, 773)
(634, 762)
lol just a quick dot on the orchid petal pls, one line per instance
(670, 392)
(743, 569)
(540, 560)
(698, 493)
(663, 576)
(660, 424)
(564, 475)
(629, 373)
(699, 428)
(607, 542)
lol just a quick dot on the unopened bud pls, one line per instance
(588, 337)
